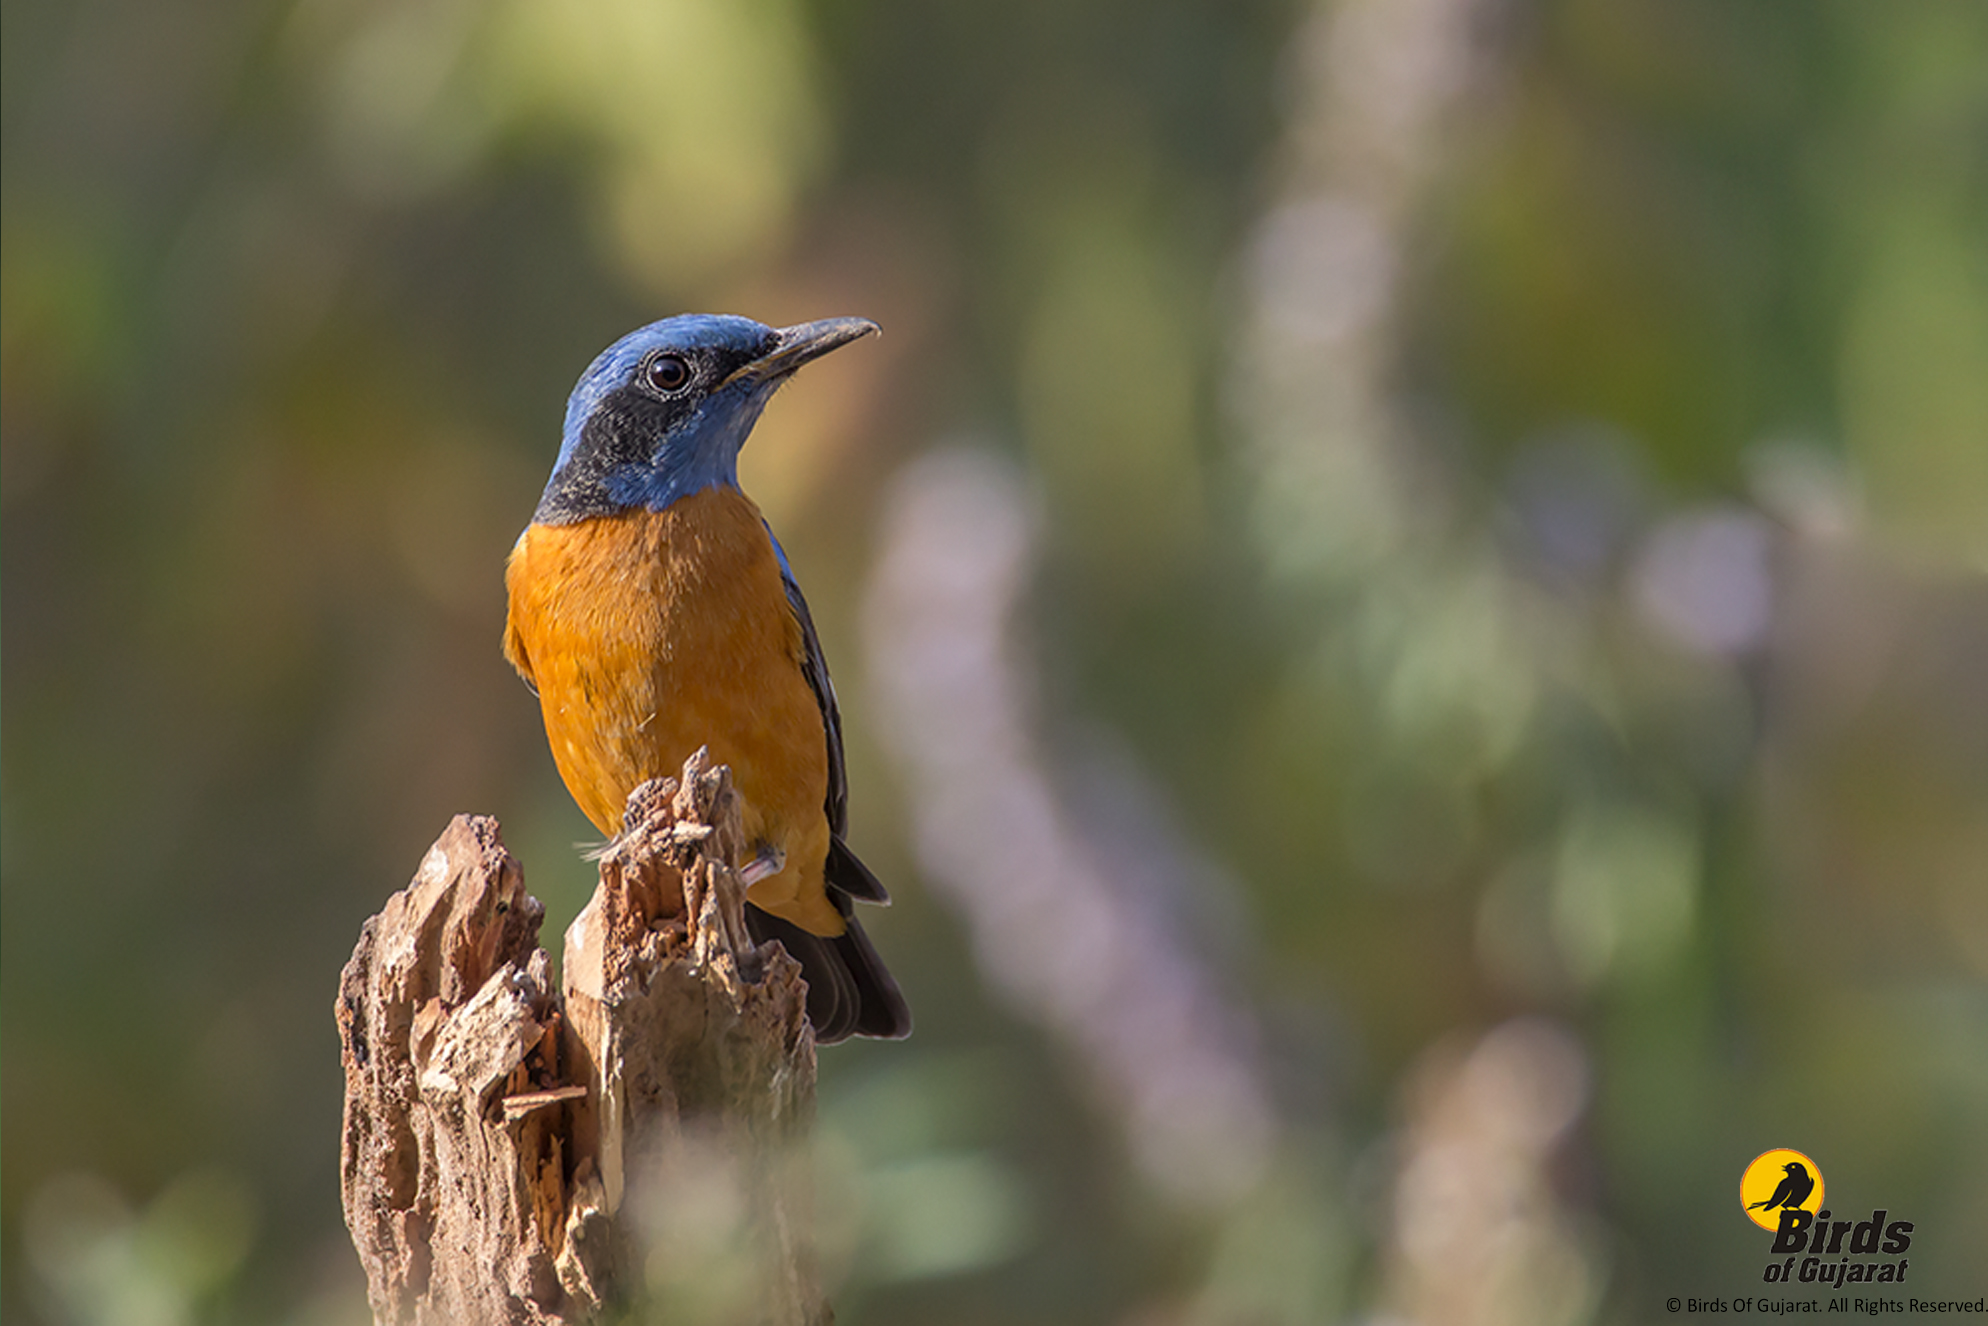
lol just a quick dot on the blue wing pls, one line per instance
(844, 870)
(850, 991)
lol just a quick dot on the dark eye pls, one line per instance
(668, 372)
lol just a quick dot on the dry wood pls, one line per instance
(634, 1146)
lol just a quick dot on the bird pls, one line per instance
(653, 612)
(1792, 1190)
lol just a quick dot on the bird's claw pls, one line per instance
(770, 861)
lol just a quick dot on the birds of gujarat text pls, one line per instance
(654, 612)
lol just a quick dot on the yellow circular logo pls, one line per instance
(1780, 1180)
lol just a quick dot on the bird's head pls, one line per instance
(662, 413)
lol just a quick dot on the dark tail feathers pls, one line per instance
(849, 991)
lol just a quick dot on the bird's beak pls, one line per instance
(796, 345)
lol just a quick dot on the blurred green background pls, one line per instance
(1407, 580)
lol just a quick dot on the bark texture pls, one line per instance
(635, 1144)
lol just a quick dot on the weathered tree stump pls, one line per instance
(636, 1146)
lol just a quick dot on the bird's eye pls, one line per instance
(668, 372)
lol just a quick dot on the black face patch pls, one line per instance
(625, 429)
(716, 363)
(629, 427)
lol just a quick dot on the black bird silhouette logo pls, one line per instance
(1792, 1191)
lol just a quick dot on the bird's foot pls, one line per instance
(770, 861)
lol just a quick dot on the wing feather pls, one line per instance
(850, 991)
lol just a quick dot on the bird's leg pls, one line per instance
(770, 861)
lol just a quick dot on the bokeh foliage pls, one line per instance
(1522, 561)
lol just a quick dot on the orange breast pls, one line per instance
(649, 634)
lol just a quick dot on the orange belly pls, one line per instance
(651, 633)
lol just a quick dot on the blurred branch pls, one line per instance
(512, 1156)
